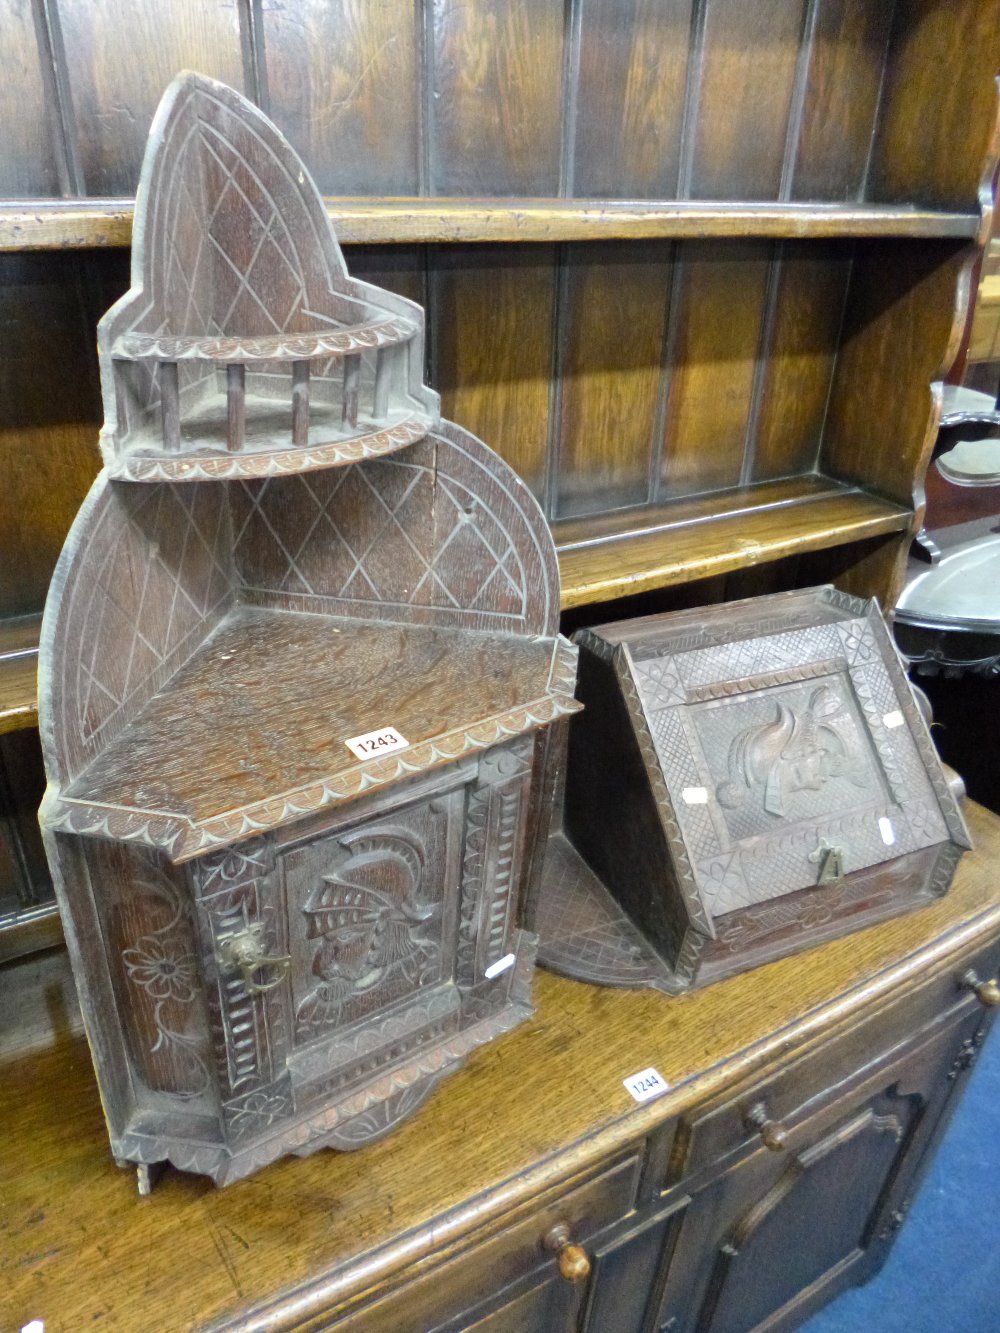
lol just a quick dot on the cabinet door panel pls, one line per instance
(780, 1232)
(553, 1305)
(837, 1180)
(625, 1271)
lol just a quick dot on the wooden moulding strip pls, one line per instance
(696, 546)
(50, 224)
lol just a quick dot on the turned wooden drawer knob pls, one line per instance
(574, 1263)
(986, 992)
(772, 1134)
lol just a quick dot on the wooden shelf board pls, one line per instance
(658, 547)
(58, 224)
(18, 672)
(174, 770)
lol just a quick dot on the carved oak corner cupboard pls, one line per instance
(743, 782)
(297, 660)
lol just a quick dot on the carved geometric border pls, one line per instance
(182, 838)
(273, 463)
(686, 882)
(311, 1131)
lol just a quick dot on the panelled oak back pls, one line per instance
(611, 374)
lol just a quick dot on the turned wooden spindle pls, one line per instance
(380, 401)
(236, 408)
(986, 992)
(772, 1134)
(170, 406)
(300, 403)
(573, 1261)
(352, 377)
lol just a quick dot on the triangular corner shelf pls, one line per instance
(243, 348)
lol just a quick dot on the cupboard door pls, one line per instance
(626, 1268)
(781, 1232)
(625, 1262)
(552, 1305)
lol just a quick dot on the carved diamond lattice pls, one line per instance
(754, 657)
(582, 928)
(659, 683)
(177, 538)
(680, 770)
(360, 540)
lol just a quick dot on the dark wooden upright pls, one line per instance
(296, 657)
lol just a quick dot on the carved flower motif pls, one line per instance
(162, 968)
(258, 1111)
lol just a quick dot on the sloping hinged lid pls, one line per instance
(782, 743)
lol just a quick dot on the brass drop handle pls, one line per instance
(573, 1260)
(986, 992)
(245, 953)
(772, 1133)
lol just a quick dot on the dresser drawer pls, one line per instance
(761, 1110)
(518, 1250)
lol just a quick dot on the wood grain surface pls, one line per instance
(424, 681)
(543, 1105)
(631, 64)
(343, 83)
(494, 96)
(492, 322)
(59, 225)
(114, 92)
(714, 346)
(708, 543)
(613, 326)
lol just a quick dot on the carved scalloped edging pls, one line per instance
(277, 347)
(378, 1122)
(312, 1132)
(594, 643)
(182, 840)
(686, 881)
(272, 463)
(562, 675)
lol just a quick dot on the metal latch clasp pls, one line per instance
(830, 860)
(245, 953)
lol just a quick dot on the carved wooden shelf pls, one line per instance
(637, 550)
(50, 224)
(449, 691)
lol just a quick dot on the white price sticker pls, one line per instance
(695, 796)
(501, 965)
(887, 831)
(893, 720)
(645, 1085)
(384, 740)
